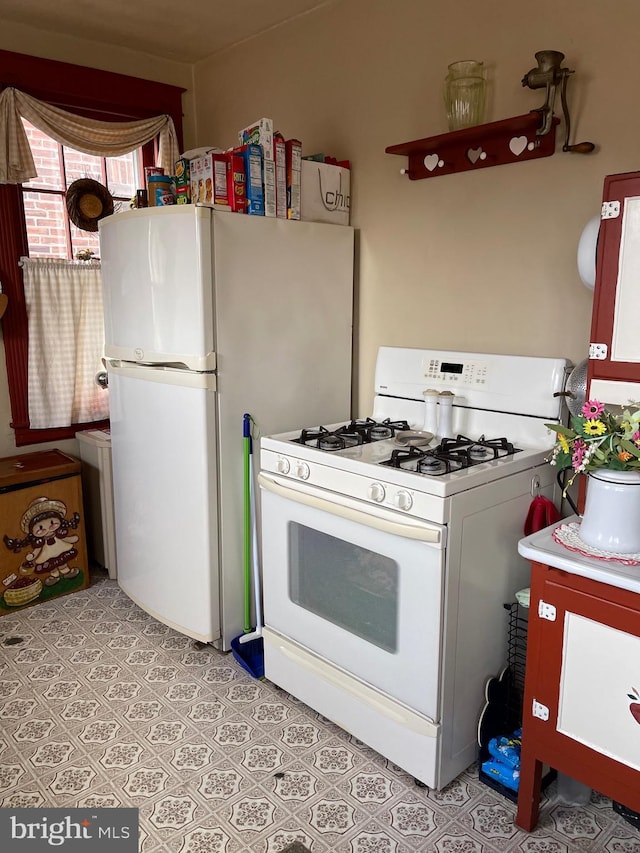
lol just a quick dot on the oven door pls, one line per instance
(359, 586)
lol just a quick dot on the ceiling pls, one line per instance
(187, 31)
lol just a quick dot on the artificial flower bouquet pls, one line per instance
(599, 438)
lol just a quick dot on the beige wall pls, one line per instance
(474, 261)
(23, 39)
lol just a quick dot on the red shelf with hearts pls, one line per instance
(511, 140)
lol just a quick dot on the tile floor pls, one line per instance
(100, 705)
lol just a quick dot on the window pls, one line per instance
(50, 234)
(87, 91)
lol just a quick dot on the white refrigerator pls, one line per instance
(209, 315)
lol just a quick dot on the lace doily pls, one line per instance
(568, 535)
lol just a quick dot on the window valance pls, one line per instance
(100, 138)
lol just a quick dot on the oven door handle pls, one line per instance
(349, 509)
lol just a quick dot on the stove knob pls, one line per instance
(376, 492)
(302, 470)
(403, 499)
(283, 465)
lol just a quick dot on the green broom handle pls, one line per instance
(246, 438)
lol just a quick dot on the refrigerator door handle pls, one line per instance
(165, 375)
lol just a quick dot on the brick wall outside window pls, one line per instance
(44, 202)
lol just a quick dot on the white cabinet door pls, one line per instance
(600, 676)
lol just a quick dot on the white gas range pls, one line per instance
(387, 556)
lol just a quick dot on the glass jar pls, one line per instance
(465, 89)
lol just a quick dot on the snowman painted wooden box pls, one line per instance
(43, 552)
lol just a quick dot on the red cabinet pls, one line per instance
(614, 353)
(581, 703)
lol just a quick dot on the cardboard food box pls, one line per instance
(236, 183)
(293, 152)
(325, 193)
(252, 157)
(280, 157)
(259, 133)
(221, 168)
(43, 553)
(269, 186)
(196, 180)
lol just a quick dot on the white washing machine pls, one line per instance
(97, 488)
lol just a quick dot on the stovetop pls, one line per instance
(371, 469)
(495, 427)
(433, 459)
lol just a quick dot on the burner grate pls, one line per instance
(356, 432)
(452, 454)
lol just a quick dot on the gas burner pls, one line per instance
(338, 441)
(452, 454)
(379, 432)
(371, 430)
(431, 462)
(350, 435)
(478, 450)
(325, 439)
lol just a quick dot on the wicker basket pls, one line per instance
(17, 596)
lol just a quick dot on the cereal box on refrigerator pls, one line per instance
(252, 156)
(281, 175)
(221, 169)
(196, 180)
(269, 186)
(236, 183)
(293, 151)
(259, 133)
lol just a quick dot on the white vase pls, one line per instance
(611, 520)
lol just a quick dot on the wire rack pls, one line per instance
(518, 627)
(502, 714)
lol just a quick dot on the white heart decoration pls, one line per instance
(474, 154)
(431, 161)
(518, 144)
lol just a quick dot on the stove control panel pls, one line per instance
(462, 374)
(383, 492)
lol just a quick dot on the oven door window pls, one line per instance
(351, 586)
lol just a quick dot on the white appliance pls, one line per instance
(97, 488)
(384, 586)
(209, 315)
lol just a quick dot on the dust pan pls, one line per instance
(248, 648)
(250, 655)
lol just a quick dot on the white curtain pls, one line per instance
(100, 138)
(66, 342)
